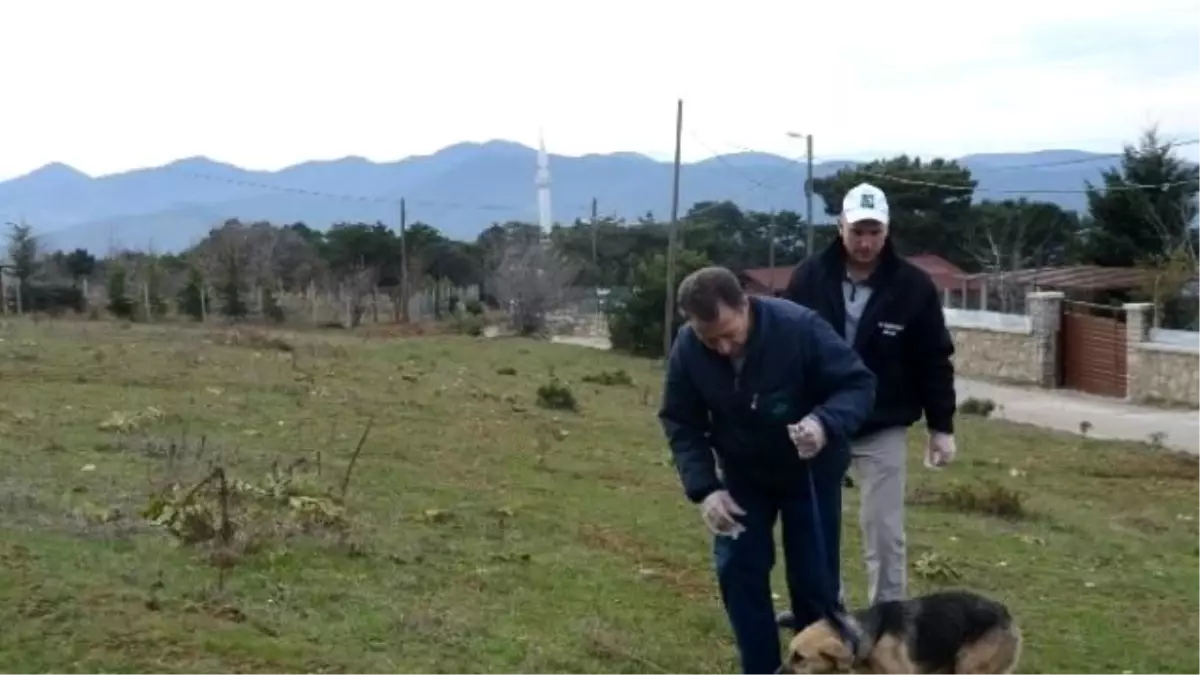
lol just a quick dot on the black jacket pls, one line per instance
(794, 365)
(902, 335)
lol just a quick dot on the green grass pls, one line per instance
(487, 533)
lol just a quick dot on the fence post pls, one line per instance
(1045, 312)
(1138, 322)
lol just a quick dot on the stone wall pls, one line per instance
(1016, 348)
(1163, 365)
(993, 354)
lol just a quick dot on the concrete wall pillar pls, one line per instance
(1045, 311)
(1138, 322)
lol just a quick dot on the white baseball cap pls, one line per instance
(865, 202)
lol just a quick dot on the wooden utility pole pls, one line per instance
(595, 224)
(669, 308)
(771, 249)
(808, 195)
(404, 292)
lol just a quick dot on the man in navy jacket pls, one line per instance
(759, 392)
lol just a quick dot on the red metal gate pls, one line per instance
(1093, 349)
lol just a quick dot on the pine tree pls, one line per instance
(118, 294)
(190, 301)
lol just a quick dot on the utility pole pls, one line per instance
(771, 250)
(669, 309)
(808, 187)
(403, 263)
(595, 262)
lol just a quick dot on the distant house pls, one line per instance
(947, 276)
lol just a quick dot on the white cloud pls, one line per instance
(125, 83)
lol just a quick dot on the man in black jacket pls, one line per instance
(760, 401)
(891, 312)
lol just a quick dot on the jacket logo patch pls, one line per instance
(890, 329)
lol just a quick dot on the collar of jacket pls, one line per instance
(834, 257)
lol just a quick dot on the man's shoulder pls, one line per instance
(784, 313)
(685, 343)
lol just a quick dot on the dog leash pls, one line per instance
(832, 610)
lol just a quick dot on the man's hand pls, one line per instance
(720, 512)
(808, 435)
(940, 450)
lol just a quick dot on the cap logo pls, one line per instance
(867, 201)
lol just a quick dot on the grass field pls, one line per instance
(479, 531)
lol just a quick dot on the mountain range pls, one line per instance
(460, 189)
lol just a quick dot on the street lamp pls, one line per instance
(808, 216)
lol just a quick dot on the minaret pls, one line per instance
(542, 181)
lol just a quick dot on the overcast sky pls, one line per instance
(120, 84)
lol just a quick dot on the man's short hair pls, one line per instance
(702, 293)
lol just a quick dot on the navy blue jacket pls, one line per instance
(795, 364)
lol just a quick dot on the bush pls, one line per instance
(119, 303)
(635, 323)
(610, 378)
(271, 309)
(990, 498)
(474, 307)
(469, 324)
(976, 406)
(189, 302)
(556, 396)
(54, 299)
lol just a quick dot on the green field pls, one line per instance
(479, 531)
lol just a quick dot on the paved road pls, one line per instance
(1064, 410)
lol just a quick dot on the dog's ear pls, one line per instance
(838, 654)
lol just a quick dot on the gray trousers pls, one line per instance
(879, 463)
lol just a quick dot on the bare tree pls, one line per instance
(1011, 235)
(530, 281)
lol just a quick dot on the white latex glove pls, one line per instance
(808, 435)
(939, 451)
(720, 512)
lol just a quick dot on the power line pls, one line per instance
(1062, 162)
(1023, 191)
(352, 198)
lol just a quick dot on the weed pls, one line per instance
(936, 567)
(610, 378)
(557, 396)
(469, 324)
(986, 498)
(982, 407)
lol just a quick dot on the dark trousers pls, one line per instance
(744, 564)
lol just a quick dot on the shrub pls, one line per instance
(977, 406)
(271, 309)
(190, 301)
(469, 324)
(635, 323)
(556, 396)
(990, 499)
(610, 378)
(119, 303)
